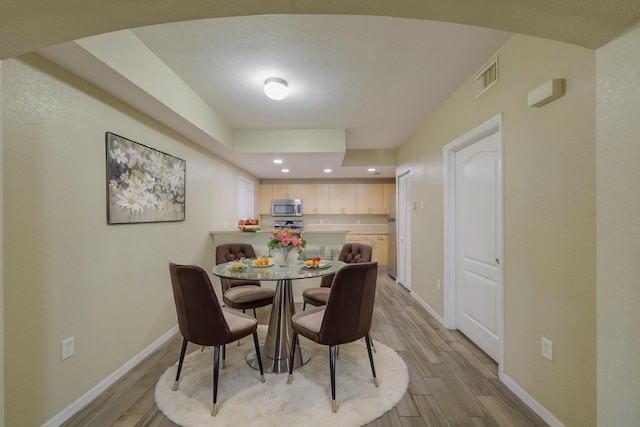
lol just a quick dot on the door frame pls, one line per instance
(406, 261)
(491, 126)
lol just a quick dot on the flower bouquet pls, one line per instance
(284, 242)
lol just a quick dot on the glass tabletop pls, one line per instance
(274, 272)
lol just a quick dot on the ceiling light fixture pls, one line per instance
(285, 170)
(327, 171)
(277, 161)
(371, 170)
(275, 88)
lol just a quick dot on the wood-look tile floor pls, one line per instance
(452, 382)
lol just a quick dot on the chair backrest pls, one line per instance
(200, 316)
(350, 253)
(349, 310)
(232, 252)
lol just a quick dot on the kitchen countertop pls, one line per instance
(322, 229)
(269, 231)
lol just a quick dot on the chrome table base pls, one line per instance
(277, 347)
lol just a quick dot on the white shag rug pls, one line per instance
(244, 400)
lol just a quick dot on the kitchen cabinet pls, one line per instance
(381, 248)
(287, 191)
(315, 199)
(370, 199)
(378, 242)
(266, 194)
(388, 190)
(342, 199)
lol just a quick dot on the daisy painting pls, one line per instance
(143, 184)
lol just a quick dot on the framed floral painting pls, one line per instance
(143, 184)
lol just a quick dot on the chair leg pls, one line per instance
(332, 369)
(182, 353)
(304, 306)
(373, 369)
(254, 313)
(373, 346)
(224, 356)
(244, 311)
(257, 345)
(216, 360)
(294, 342)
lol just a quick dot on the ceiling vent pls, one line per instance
(487, 78)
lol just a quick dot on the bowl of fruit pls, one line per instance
(316, 263)
(237, 266)
(262, 262)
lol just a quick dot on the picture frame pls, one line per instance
(143, 184)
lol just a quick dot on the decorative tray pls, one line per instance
(322, 266)
(262, 266)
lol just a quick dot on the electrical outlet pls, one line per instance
(67, 348)
(547, 349)
(438, 284)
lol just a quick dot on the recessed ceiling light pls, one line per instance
(371, 170)
(277, 161)
(285, 170)
(327, 171)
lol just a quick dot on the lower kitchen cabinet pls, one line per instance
(379, 243)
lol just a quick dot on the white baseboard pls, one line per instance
(429, 309)
(85, 399)
(530, 401)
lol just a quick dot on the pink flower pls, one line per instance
(286, 238)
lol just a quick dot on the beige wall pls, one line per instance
(1, 268)
(549, 217)
(618, 191)
(67, 272)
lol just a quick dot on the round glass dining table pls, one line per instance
(277, 347)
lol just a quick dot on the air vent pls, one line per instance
(487, 78)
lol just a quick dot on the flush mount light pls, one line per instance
(371, 170)
(277, 161)
(275, 88)
(285, 170)
(327, 171)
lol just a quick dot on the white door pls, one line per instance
(478, 225)
(403, 215)
(245, 198)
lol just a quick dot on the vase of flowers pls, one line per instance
(287, 245)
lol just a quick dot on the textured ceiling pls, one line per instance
(28, 25)
(376, 77)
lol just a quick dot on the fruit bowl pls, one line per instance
(250, 225)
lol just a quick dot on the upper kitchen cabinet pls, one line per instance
(315, 199)
(370, 199)
(342, 199)
(287, 191)
(389, 189)
(266, 194)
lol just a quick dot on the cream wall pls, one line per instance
(618, 207)
(67, 272)
(549, 217)
(1, 268)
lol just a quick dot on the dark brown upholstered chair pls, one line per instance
(346, 317)
(242, 294)
(350, 253)
(202, 321)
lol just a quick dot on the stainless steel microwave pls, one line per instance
(288, 207)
